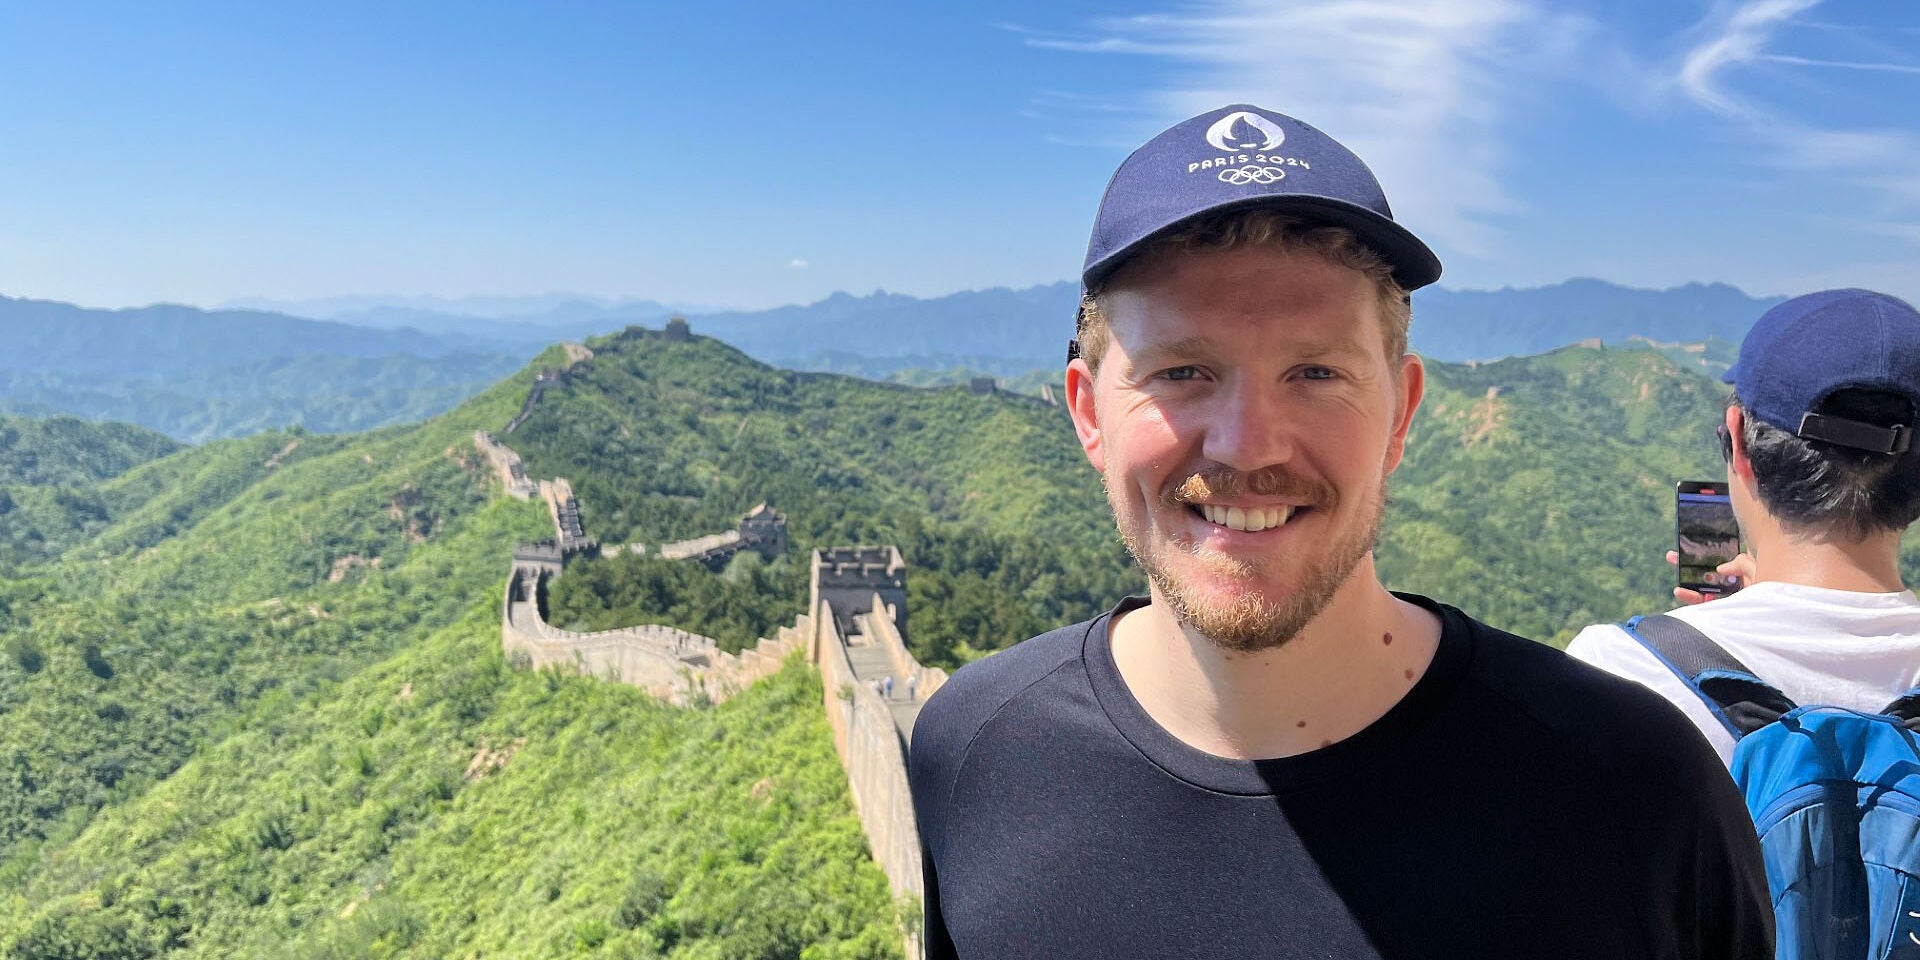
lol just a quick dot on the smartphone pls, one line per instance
(1707, 535)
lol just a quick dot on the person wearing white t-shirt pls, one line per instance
(1824, 474)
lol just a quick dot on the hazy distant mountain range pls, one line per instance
(198, 375)
(362, 362)
(1013, 331)
(500, 320)
(46, 336)
(1485, 324)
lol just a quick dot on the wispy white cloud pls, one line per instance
(1419, 88)
(1842, 64)
(797, 264)
(1739, 40)
(1883, 161)
(1877, 30)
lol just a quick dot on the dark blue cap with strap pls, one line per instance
(1802, 351)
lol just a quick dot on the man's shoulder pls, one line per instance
(967, 701)
(1540, 678)
(1590, 713)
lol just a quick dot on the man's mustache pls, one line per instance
(1220, 482)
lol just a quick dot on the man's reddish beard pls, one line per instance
(1250, 622)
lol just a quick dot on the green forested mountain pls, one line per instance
(1537, 492)
(263, 712)
(988, 497)
(49, 474)
(68, 451)
(260, 709)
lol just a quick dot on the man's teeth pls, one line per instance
(1251, 519)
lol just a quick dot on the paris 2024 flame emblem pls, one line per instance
(1221, 134)
(1225, 135)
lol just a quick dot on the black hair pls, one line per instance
(1825, 490)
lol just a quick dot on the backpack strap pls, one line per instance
(1906, 709)
(1741, 701)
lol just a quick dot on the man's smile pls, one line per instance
(1248, 519)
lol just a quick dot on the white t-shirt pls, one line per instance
(1834, 647)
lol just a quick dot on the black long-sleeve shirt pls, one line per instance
(1513, 804)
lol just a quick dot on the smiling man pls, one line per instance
(1272, 755)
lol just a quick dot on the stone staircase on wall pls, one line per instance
(874, 669)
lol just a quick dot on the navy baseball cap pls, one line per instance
(1245, 156)
(1800, 352)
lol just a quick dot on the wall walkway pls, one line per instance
(506, 465)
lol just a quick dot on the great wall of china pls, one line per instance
(853, 631)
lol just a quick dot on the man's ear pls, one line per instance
(1080, 406)
(1737, 463)
(1409, 388)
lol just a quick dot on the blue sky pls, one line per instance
(750, 154)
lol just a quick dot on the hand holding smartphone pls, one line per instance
(1707, 536)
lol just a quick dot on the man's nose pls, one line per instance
(1249, 428)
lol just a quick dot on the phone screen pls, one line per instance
(1708, 535)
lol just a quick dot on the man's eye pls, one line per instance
(1318, 373)
(1181, 373)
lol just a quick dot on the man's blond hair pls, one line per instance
(1262, 227)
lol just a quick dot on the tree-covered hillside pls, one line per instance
(1537, 492)
(49, 473)
(1002, 523)
(68, 451)
(263, 712)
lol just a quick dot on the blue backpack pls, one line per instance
(1835, 798)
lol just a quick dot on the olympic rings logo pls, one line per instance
(1241, 176)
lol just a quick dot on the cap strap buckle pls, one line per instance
(1853, 433)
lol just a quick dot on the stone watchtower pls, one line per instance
(546, 556)
(678, 331)
(764, 530)
(849, 577)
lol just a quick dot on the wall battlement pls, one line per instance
(851, 578)
(564, 508)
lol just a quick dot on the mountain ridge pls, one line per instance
(198, 374)
(1013, 331)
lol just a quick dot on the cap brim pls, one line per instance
(1414, 265)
